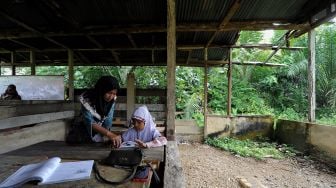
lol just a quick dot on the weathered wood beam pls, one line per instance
(94, 41)
(130, 38)
(229, 87)
(311, 76)
(53, 130)
(171, 69)
(192, 63)
(23, 44)
(33, 63)
(101, 47)
(13, 60)
(328, 12)
(253, 63)
(33, 119)
(82, 57)
(59, 11)
(149, 48)
(282, 41)
(71, 74)
(189, 57)
(116, 56)
(233, 9)
(244, 25)
(205, 87)
(189, 50)
(133, 29)
(153, 56)
(32, 29)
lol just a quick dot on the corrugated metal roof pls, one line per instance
(133, 32)
(269, 10)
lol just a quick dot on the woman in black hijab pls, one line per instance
(98, 107)
(11, 93)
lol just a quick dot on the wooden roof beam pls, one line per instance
(328, 13)
(23, 44)
(130, 38)
(113, 52)
(281, 42)
(82, 57)
(208, 27)
(251, 63)
(189, 50)
(116, 56)
(94, 41)
(58, 10)
(193, 63)
(233, 9)
(22, 24)
(179, 47)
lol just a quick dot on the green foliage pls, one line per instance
(189, 90)
(150, 77)
(249, 148)
(245, 98)
(86, 77)
(290, 114)
(326, 116)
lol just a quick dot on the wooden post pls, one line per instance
(171, 66)
(130, 94)
(71, 74)
(33, 63)
(229, 77)
(205, 89)
(311, 76)
(13, 60)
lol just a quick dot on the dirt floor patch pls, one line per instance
(205, 166)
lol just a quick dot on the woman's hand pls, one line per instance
(116, 139)
(141, 143)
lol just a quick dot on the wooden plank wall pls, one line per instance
(154, 99)
(23, 123)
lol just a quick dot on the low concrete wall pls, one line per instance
(293, 133)
(22, 137)
(239, 126)
(317, 140)
(323, 137)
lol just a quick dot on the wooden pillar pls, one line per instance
(33, 63)
(229, 89)
(205, 88)
(71, 74)
(311, 76)
(130, 94)
(171, 66)
(13, 60)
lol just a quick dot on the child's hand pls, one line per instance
(141, 143)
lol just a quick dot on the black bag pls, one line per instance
(128, 157)
(125, 158)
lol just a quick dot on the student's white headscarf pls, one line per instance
(148, 133)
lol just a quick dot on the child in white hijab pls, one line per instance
(144, 131)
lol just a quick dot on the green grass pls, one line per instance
(249, 148)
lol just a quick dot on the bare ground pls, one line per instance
(205, 166)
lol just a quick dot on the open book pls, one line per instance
(50, 171)
(128, 144)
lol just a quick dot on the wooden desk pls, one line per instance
(11, 161)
